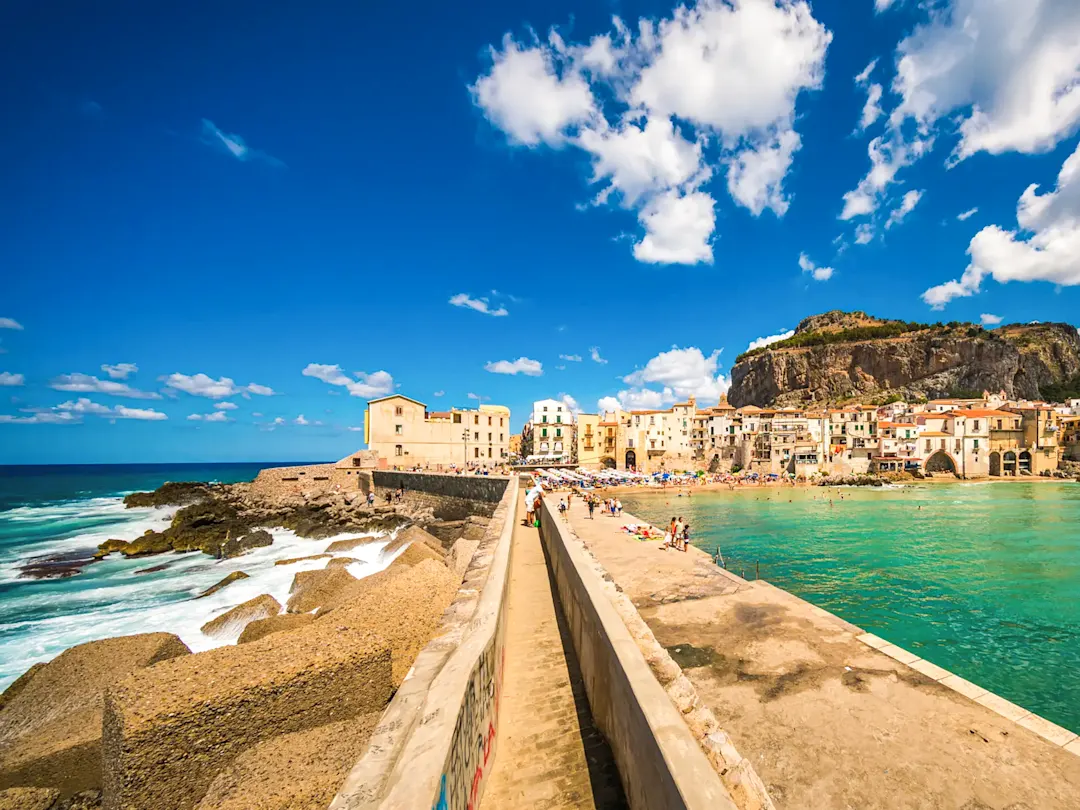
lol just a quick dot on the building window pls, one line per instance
(543, 432)
(489, 452)
(976, 445)
(558, 419)
(500, 421)
(927, 445)
(558, 431)
(397, 429)
(476, 435)
(489, 437)
(398, 450)
(976, 425)
(543, 418)
(500, 437)
(398, 410)
(476, 420)
(476, 452)
(457, 418)
(545, 409)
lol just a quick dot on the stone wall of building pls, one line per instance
(276, 481)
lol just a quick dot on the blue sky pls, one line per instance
(248, 192)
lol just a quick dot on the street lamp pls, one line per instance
(465, 438)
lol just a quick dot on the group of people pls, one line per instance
(678, 535)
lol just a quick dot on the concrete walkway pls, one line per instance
(549, 754)
(829, 722)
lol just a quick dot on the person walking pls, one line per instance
(618, 508)
(592, 506)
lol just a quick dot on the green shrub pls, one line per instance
(853, 335)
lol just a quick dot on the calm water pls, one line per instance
(61, 510)
(983, 579)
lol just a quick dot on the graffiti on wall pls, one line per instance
(472, 749)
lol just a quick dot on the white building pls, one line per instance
(553, 430)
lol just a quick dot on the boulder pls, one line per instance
(170, 729)
(153, 569)
(416, 536)
(292, 560)
(169, 494)
(299, 770)
(236, 546)
(150, 543)
(475, 528)
(320, 590)
(19, 684)
(341, 562)
(83, 800)
(415, 554)
(229, 580)
(233, 622)
(339, 546)
(401, 605)
(207, 525)
(50, 732)
(274, 624)
(28, 798)
(108, 547)
(446, 530)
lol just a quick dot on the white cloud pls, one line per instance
(967, 214)
(989, 320)
(121, 371)
(226, 406)
(570, 403)
(594, 353)
(86, 384)
(531, 94)
(217, 416)
(729, 73)
(355, 429)
(234, 145)
(882, 5)
(818, 273)
(439, 393)
(479, 304)
(300, 420)
(572, 358)
(10, 323)
(907, 205)
(260, 390)
(523, 365)
(681, 373)
(367, 386)
(85, 406)
(1045, 247)
(202, 385)
(43, 418)
(871, 110)
(605, 404)
(864, 75)
(766, 341)
(278, 421)
(864, 234)
(887, 156)
(7, 379)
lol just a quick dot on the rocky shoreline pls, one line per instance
(143, 722)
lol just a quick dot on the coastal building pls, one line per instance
(404, 433)
(589, 447)
(552, 426)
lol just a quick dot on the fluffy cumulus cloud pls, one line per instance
(1044, 247)
(226, 406)
(84, 406)
(121, 371)
(203, 385)
(662, 109)
(815, 272)
(10, 380)
(42, 418)
(570, 403)
(989, 320)
(607, 404)
(523, 365)
(216, 416)
(671, 376)
(479, 304)
(87, 384)
(766, 341)
(10, 323)
(362, 384)
(986, 76)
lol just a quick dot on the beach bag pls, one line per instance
(536, 524)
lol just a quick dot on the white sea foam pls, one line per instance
(109, 598)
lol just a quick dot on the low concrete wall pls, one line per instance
(435, 743)
(659, 761)
(451, 497)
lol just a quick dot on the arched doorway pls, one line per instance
(608, 463)
(995, 463)
(1009, 463)
(1025, 463)
(631, 459)
(941, 462)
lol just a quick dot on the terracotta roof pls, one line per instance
(750, 409)
(984, 412)
(439, 415)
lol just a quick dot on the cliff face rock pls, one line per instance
(839, 356)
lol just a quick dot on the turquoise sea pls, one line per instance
(980, 578)
(51, 512)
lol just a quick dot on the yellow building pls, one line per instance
(589, 446)
(405, 434)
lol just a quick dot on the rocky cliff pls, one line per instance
(840, 356)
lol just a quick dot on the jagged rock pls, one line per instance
(416, 536)
(108, 547)
(274, 624)
(229, 580)
(339, 546)
(150, 543)
(169, 494)
(28, 798)
(56, 566)
(446, 530)
(321, 590)
(234, 621)
(341, 562)
(937, 360)
(83, 800)
(292, 560)
(153, 569)
(236, 546)
(206, 525)
(417, 553)
(50, 732)
(475, 528)
(19, 684)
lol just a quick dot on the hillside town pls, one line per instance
(987, 436)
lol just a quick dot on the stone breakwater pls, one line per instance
(273, 721)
